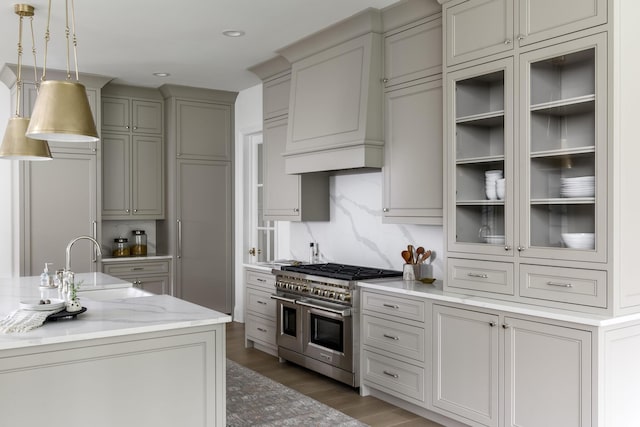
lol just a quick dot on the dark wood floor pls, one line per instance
(369, 410)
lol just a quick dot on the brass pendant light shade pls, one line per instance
(62, 113)
(16, 146)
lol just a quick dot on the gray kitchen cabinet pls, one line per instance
(133, 153)
(413, 51)
(260, 311)
(301, 197)
(287, 197)
(546, 371)
(204, 130)
(413, 147)
(133, 182)
(198, 228)
(478, 28)
(413, 154)
(59, 201)
(126, 114)
(152, 275)
(393, 340)
(559, 136)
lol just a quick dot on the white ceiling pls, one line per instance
(131, 39)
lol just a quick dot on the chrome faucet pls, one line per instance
(68, 259)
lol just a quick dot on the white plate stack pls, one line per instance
(580, 186)
(490, 178)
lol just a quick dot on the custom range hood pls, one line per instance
(336, 98)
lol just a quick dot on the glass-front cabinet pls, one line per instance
(481, 103)
(563, 167)
(528, 161)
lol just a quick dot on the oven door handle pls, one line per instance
(344, 313)
(280, 298)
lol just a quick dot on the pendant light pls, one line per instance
(15, 145)
(61, 111)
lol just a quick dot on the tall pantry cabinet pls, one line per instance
(59, 199)
(198, 229)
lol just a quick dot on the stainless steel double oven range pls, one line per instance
(318, 322)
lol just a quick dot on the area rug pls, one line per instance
(255, 400)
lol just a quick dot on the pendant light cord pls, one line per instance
(35, 62)
(47, 37)
(19, 76)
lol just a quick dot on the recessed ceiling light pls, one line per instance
(161, 74)
(233, 33)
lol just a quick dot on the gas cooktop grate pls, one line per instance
(342, 271)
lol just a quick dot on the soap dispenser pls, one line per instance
(46, 281)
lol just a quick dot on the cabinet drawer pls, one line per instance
(394, 337)
(397, 378)
(570, 285)
(260, 301)
(138, 267)
(394, 306)
(484, 276)
(259, 329)
(263, 280)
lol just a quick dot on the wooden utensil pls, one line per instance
(406, 256)
(419, 253)
(410, 249)
(425, 256)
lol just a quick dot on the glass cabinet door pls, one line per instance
(480, 147)
(563, 151)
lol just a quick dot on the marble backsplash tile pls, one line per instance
(355, 234)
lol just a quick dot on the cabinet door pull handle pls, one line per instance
(520, 248)
(506, 326)
(179, 239)
(391, 337)
(479, 275)
(137, 268)
(296, 210)
(261, 280)
(385, 80)
(507, 41)
(560, 284)
(507, 248)
(391, 374)
(385, 210)
(261, 302)
(492, 324)
(391, 306)
(520, 37)
(262, 330)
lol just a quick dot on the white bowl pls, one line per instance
(579, 240)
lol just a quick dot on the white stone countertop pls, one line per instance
(436, 293)
(103, 318)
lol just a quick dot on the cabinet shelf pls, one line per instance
(488, 119)
(479, 202)
(564, 152)
(483, 159)
(565, 201)
(563, 107)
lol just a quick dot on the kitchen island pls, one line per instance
(149, 360)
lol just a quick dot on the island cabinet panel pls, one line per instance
(164, 379)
